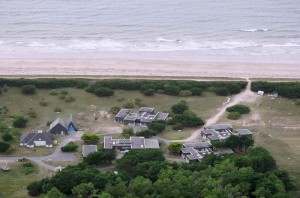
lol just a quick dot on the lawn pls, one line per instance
(14, 182)
(92, 112)
(276, 127)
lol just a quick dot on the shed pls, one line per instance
(87, 149)
(72, 124)
(261, 93)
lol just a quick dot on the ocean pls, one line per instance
(198, 29)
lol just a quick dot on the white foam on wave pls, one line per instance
(162, 39)
(255, 30)
(95, 45)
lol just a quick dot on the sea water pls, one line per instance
(166, 28)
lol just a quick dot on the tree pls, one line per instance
(19, 121)
(71, 146)
(242, 109)
(28, 89)
(100, 157)
(175, 147)
(179, 108)
(90, 138)
(4, 146)
(157, 126)
(127, 132)
(34, 188)
(141, 187)
(117, 189)
(54, 193)
(104, 92)
(7, 137)
(85, 190)
(261, 159)
(149, 92)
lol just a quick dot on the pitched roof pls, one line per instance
(72, 120)
(58, 121)
(87, 149)
(29, 138)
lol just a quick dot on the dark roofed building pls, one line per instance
(72, 124)
(244, 132)
(144, 117)
(58, 127)
(39, 138)
(218, 132)
(195, 151)
(87, 149)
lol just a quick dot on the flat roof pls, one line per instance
(123, 113)
(107, 142)
(87, 149)
(146, 109)
(198, 145)
(219, 127)
(137, 142)
(161, 116)
(151, 143)
(244, 131)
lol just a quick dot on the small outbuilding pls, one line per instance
(261, 93)
(58, 127)
(244, 132)
(87, 149)
(72, 124)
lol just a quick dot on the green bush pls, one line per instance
(57, 109)
(62, 97)
(7, 137)
(71, 146)
(175, 147)
(157, 126)
(19, 121)
(100, 157)
(114, 110)
(64, 92)
(31, 113)
(53, 93)
(104, 92)
(28, 168)
(128, 105)
(180, 107)
(43, 103)
(234, 116)
(70, 99)
(90, 138)
(196, 91)
(146, 133)
(149, 92)
(4, 146)
(185, 93)
(242, 109)
(28, 89)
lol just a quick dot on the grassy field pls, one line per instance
(276, 127)
(14, 182)
(92, 111)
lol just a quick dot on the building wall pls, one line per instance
(40, 143)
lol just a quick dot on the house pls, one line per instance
(218, 132)
(131, 143)
(244, 132)
(87, 149)
(195, 151)
(39, 138)
(58, 127)
(72, 124)
(144, 117)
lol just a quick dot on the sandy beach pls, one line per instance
(138, 67)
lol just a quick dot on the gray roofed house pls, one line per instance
(72, 124)
(219, 127)
(131, 143)
(198, 145)
(39, 138)
(195, 151)
(58, 127)
(87, 149)
(244, 132)
(143, 117)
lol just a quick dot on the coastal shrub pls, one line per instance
(70, 99)
(127, 132)
(90, 138)
(19, 121)
(4, 146)
(114, 110)
(64, 92)
(146, 133)
(28, 168)
(187, 120)
(53, 93)
(7, 137)
(28, 89)
(174, 147)
(234, 115)
(180, 107)
(71, 146)
(100, 157)
(43, 103)
(31, 113)
(242, 109)
(222, 91)
(62, 97)
(157, 126)
(185, 93)
(286, 89)
(104, 92)
(57, 109)
(149, 92)
(172, 90)
(128, 105)
(196, 91)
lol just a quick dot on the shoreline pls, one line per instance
(145, 68)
